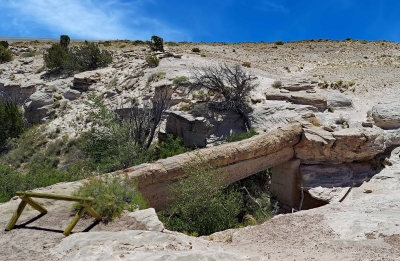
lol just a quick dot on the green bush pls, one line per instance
(171, 147)
(4, 44)
(109, 144)
(87, 56)
(241, 136)
(10, 182)
(180, 80)
(279, 43)
(40, 174)
(5, 54)
(277, 84)
(55, 57)
(196, 50)
(152, 60)
(112, 195)
(200, 204)
(157, 44)
(64, 41)
(11, 123)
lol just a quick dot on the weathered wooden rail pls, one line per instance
(26, 199)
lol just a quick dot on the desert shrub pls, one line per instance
(277, 84)
(64, 41)
(152, 60)
(258, 204)
(10, 182)
(279, 43)
(55, 57)
(39, 174)
(87, 56)
(4, 44)
(246, 64)
(232, 83)
(180, 80)
(196, 50)
(200, 204)
(155, 77)
(157, 44)
(138, 42)
(171, 147)
(5, 54)
(112, 194)
(11, 122)
(241, 136)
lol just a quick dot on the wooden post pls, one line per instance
(34, 204)
(16, 215)
(91, 211)
(75, 220)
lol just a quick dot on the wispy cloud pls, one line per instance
(272, 6)
(85, 19)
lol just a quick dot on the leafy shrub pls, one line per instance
(180, 80)
(112, 195)
(157, 44)
(196, 50)
(5, 54)
(87, 57)
(246, 64)
(10, 182)
(138, 42)
(201, 205)
(258, 204)
(279, 43)
(237, 137)
(55, 57)
(277, 84)
(64, 41)
(152, 60)
(11, 123)
(155, 77)
(171, 147)
(4, 44)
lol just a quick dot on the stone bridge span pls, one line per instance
(302, 155)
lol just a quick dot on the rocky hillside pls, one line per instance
(336, 85)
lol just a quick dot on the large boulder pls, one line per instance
(341, 175)
(39, 107)
(318, 146)
(320, 99)
(200, 131)
(386, 115)
(82, 81)
(19, 92)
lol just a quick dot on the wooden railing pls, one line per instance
(26, 199)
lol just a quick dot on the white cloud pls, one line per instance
(272, 5)
(86, 19)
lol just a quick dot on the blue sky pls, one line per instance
(206, 20)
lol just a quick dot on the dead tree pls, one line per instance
(145, 118)
(232, 83)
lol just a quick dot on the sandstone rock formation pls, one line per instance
(386, 115)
